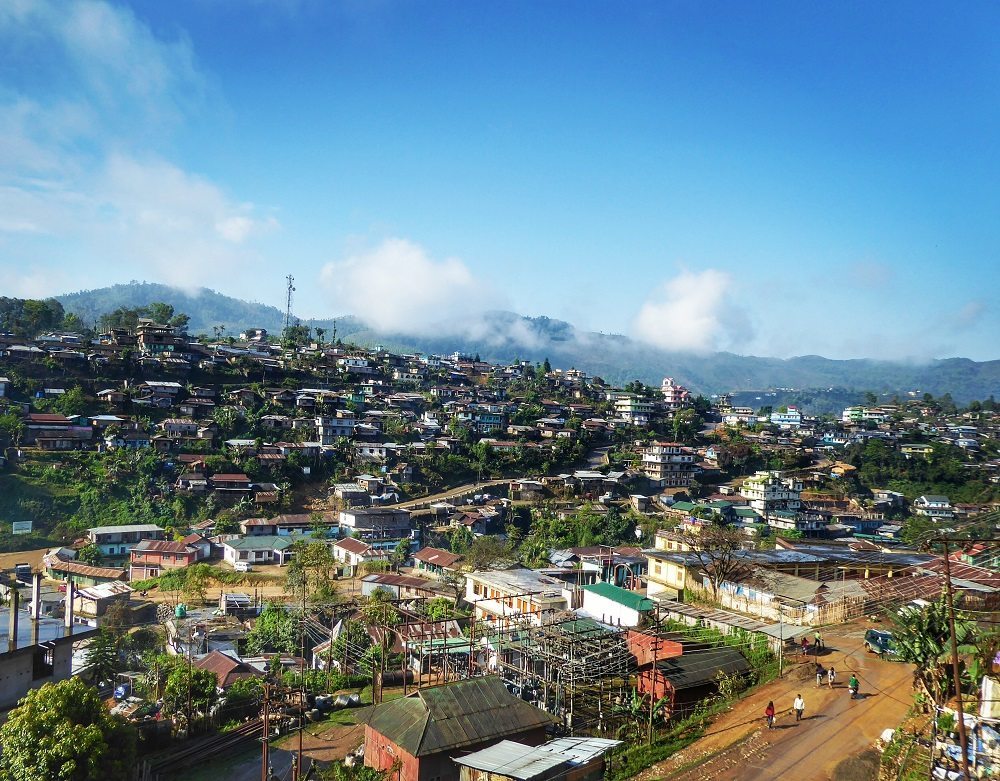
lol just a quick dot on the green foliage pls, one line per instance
(243, 698)
(630, 761)
(196, 580)
(102, 656)
(485, 552)
(312, 568)
(338, 771)
(11, 427)
(351, 645)
(438, 608)
(274, 631)
(460, 539)
(582, 528)
(125, 317)
(379, 610)
(880, 465)
(90, 554)
(63, 732)
(72, 402)
(184, 684)
(29, 317)
(922, 637)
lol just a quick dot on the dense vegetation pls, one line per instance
(943, 472)
(510, 337)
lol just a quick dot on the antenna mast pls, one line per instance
(288, 301)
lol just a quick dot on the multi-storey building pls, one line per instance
(860, 415)
(937, 508)
(151, 557)
(330, 429)
(634, 410)
(791, 417)
(669, 463)
(770, 491)
(674, 395)
(502, 595)
(154, 338)
(119, 540)
(380, 528)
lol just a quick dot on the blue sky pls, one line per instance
(775, 179)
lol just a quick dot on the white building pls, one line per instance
(668, 463)
(634, 410)
(769, 491)
(790, 418)
(936, 507)
(330, 429)
(614, 605)
(674, 395)
(354, 552)
(502, 595)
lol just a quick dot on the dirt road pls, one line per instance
(739, 747)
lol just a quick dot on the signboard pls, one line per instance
(21, 527)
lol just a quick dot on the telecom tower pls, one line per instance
(288, 302)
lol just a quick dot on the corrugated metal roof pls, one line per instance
(513, 760)
(621, 596)
(702, 666)
(516, 760)
(454, 715)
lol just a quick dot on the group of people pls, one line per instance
(817, 643)
(799, 704)
(830, 675)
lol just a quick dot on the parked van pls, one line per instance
(243, 566)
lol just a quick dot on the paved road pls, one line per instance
(738, 748)
(596, 458)
(451, 493)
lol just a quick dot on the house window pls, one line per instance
(43, 663)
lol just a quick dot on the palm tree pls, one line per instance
(922, 636)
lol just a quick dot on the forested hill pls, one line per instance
(206, 308)
(505, 336)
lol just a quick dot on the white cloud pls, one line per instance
(398, 287)
(692, 313)
(82, 186)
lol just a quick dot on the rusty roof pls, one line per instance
(352, 545)
(226, 669)
(162, 546)
(56, 562)
(437, 556)
(464, 713)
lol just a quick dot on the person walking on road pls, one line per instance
(818, 640)
(852, 686)
(769, 715)
(805, 646)
(820, 674)
(831, 676)
(799, 707)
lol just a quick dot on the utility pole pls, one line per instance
(652, 690)
(781, 641)
(297, 770)
(949, 594)
(472, 641)
(264, 745)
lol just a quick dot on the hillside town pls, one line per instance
(315, 557)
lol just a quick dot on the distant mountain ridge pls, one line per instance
(506, 336)
(206, 308)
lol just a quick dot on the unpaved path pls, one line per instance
(738, 747)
